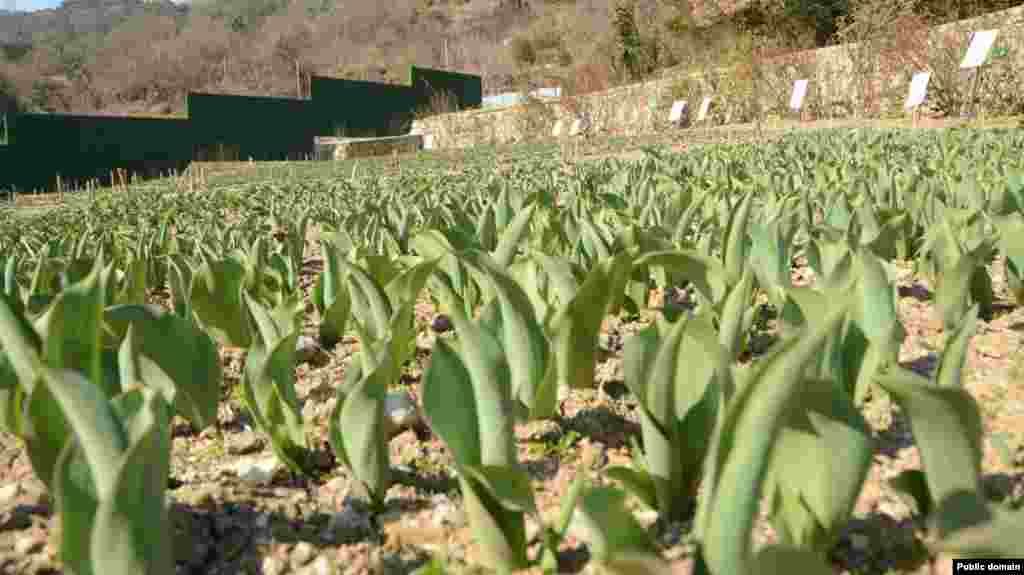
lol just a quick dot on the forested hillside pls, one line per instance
(143, 56)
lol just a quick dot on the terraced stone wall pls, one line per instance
(834, 91)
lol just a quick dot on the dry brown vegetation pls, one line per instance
(149, 62)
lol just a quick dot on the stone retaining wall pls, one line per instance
(834, 90)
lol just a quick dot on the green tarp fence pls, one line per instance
(358, 109)
(254, 127)
(6, 161)
(80, 148)
(219, 127)
(466, 89)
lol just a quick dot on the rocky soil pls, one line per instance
(236, 510)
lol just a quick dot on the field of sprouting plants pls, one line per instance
(795, 357)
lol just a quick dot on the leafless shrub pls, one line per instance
(533, 119)
(439, 102)
(587, 78)
(150, 62)
(877, 35)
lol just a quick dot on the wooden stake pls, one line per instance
(974, 92)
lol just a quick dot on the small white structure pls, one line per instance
(918, 90)
(705, 104)
(557, 131)
(799, 91)
(555, 92)
(680, 113)
(977, 51)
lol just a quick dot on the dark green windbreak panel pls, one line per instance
(5, 130)
(467, 89)
(251, 127)
(354, 108)
(219, 127)
(80, 147)
(8, 162)
(6, 165)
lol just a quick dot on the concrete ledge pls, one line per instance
(345, 148)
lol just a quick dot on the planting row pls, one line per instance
(527, 261)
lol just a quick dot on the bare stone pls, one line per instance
(257, 471)
(28, 544)
(303, 553)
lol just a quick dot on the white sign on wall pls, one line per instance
(977, 51)
(676, 114)
(428, 141)
(704, 105)
(918, 90)
(557, 131)
(796, 101)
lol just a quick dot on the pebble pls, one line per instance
(245, 443)
(347, 521)
(446, 512)
(307, 350)
(28, 544)
(401, 412)
(272, 565)
(320, 566)
(303, 553)
(9, 493)
(14, 519)
(895, 509)
(563, 393)
(441, 324)
(646, 516)
(257, 471)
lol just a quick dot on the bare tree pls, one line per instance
(291, 37)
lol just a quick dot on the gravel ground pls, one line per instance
(235, 510)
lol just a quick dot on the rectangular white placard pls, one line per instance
(676, 114)
(918, 90)
(977, 51)
(557, 131)
(796, 101)
(704, 105)
(428, 141)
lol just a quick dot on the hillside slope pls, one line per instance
(130, 56)
(75, 17)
